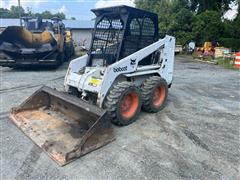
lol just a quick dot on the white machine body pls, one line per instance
(98, 80)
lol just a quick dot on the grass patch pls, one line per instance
(202, 57)
(226, 63)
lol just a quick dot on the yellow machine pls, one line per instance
(208, 46)
(37, 43)
(207, 50)
(69, 44)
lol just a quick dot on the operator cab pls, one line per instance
(119, 32)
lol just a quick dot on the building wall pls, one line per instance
(82, 37)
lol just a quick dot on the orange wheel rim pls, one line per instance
(159, 96)
(129, 105)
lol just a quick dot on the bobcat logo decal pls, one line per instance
(133, 61)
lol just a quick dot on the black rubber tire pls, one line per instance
(60, 58)
(73, 91)
(113, 101)
(67, 53)
(148, 88)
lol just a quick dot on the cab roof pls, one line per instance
(123, 9)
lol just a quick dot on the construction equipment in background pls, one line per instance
(189, 47)
(223, 52)
(70, 51)
(37, 43)
(178, 49)
(207, 50)
(127, 68)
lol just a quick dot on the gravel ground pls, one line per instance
(195, 137)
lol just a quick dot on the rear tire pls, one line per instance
(154, 94)
(123, 103)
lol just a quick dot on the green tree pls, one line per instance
(15, 10)
(208, 27)
(174, 17)
(4, 13)
(59, 15)
(164, 10)
(182, 25)
(231, 36)
(197, 6)
(46, 15)
(29, 12)
(12, 13)
(200, 6)
(180, 4)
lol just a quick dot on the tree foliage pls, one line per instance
(211, 5)
(208, 26)
(13, 12)
(182, 25)
(198, 20)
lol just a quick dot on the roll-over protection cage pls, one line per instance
(120, 31)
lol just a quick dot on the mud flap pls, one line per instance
(64, 126)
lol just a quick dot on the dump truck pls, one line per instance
(128, 68)
(37, 43)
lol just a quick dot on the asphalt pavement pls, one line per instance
(195, 137)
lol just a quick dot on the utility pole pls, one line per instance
(19, 12)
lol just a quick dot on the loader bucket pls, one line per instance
(64, 126)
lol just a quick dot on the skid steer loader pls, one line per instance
(127, 68)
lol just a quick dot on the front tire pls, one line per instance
(123, 103)
(154, 94)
